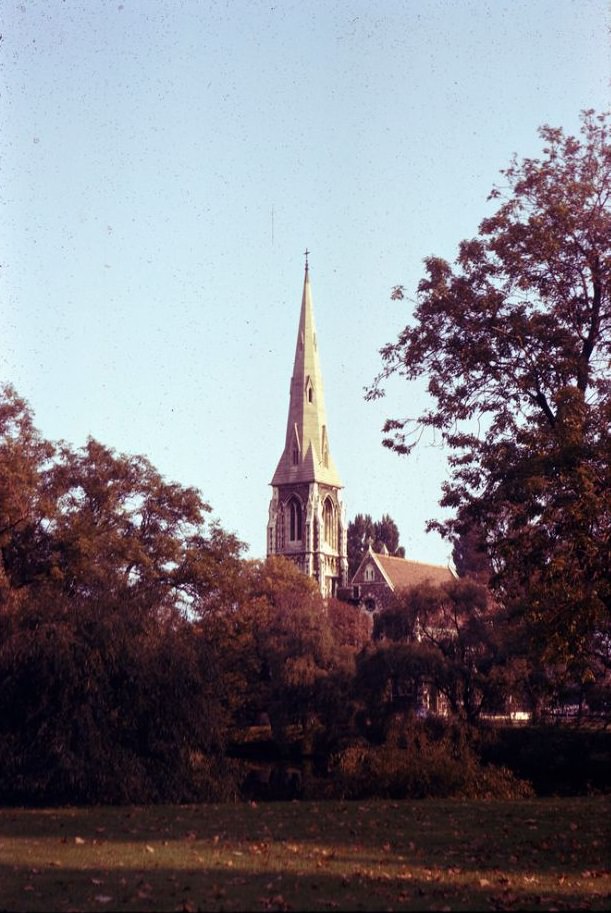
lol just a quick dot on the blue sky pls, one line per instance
(163, 165)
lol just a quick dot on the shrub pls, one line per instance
(421, 766)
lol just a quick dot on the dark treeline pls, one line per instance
(138, 646)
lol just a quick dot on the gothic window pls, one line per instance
(295, 455)
(369, 572)
(309, 390)
(330, 524)
(295, 521)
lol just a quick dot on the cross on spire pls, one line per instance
(306, 254)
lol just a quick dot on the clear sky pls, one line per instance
(164, 164)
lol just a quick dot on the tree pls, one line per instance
(470, 554)
(116, 641)
(363, 530)
(291, 648)
(452, 626)
(391, 679)
(24, 455)
(515, 339)
(351, 626)
(301, 657)
(99, 522)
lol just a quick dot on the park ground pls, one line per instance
(536, 854)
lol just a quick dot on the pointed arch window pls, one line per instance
(295, 518)
(309, 390)
(330, 523)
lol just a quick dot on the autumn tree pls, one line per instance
(450, 640)
(351, 626)
(302, 655)
(114, 682)
(514, 339)
(116, 524)
(363, 530)
(291, 644)
(391, 679)
(24, 456)
(470, 552)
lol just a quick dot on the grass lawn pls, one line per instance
(540, 854)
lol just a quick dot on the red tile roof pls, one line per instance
(404, 573)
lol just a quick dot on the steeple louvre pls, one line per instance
(306, 521)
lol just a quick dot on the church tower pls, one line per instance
(306, 516)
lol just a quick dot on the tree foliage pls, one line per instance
(514, 339)
(114, 678)
(302, 654)
(101, 702)
(470, 553)
(136, 644)
(23, 458)
(449, 638)
(363, 530)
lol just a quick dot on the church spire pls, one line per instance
(306, 515)
(306, 456)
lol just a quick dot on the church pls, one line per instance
(307, 522)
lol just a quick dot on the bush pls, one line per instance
(424, 764)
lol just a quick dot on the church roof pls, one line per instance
(402, 573)
(306, 456)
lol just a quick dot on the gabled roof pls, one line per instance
(402, 573)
